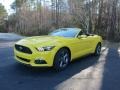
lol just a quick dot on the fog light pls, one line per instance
(39, 61)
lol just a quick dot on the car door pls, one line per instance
(83, 45)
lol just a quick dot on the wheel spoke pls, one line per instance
(63, 59)
(61, 64)
(66, 58)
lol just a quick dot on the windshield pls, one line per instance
(65, 32)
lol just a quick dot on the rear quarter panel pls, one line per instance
(96, 39)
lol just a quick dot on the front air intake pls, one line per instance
(23, 49)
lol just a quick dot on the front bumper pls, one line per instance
(46, 58)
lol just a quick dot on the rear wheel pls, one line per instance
(98, 50)
(62, 59)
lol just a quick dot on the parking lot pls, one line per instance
(88, 73)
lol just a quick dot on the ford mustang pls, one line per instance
(57, 49)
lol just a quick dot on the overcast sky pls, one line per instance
(7, 4)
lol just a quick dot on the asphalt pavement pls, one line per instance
(88, 73)
(9, 37)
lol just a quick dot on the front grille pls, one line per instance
(23, 49)
(23, 59)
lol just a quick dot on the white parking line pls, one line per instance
(119, 51)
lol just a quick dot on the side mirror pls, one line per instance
(82, 36)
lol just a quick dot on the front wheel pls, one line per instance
(62, 59)
(98, 50)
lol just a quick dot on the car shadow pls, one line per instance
(22, 77)
(47, 78)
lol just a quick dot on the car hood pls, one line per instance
(38, 41)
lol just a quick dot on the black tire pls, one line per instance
(98, 50)
(62, 59)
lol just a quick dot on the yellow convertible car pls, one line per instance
(57, 49)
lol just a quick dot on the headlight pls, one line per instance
(47, 48)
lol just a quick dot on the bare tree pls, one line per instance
(35, 17)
